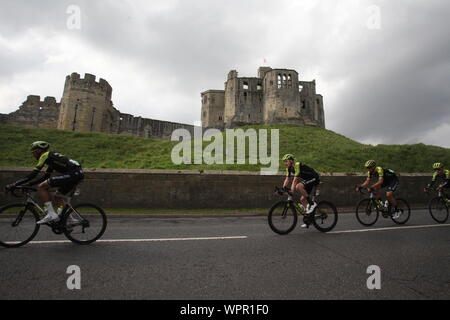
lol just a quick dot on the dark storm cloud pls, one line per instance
(387, 86)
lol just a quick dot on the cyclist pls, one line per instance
(71, 171)
(303, 179)
(439, 172)
(386, 179)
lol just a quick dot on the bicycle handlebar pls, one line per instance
(281, 191)
(24, 190)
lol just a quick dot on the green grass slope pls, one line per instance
(322, 149)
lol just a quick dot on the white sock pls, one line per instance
(50, 209)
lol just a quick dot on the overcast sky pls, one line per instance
(383, 67)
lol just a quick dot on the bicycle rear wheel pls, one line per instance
(438, 210)
(282, 218)
(325, 216)
(404, 210)
(367, 212)
(17, 225)
(85, 224)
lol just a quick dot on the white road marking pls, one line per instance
(145, 240)
(391, 228)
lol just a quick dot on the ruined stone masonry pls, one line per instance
(275, 96)
(86, 105)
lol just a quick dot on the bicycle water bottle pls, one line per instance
(386, 204)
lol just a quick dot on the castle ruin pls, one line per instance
(275, 96)
(86, 105)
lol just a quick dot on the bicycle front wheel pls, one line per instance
(282, 218)
(84, 224)
(404, 212)
(17, 225)
(438, 210)
(325, 216)
(367, 212)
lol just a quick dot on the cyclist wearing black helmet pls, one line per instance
(386, 179)
(71, 171)
(303, 179)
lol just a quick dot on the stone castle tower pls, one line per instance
(275, 96)
(86, 105)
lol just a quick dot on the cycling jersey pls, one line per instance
(445, 175)
(379, 172)
(54, 162)
(301, 170)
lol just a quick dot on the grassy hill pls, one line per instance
(322, 149)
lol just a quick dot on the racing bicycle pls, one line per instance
(81, 223)
(283, 215)
(368, 210)
(439, 207)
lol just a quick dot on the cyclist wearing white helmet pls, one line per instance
(386, 179)
(71, 171)
(303, 179)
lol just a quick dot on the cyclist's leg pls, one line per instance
(300, 187)
(43, 191)
(390, 189)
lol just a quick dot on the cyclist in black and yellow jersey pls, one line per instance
(439, 173)
(386, 179)
(70, 170)
(303, 179)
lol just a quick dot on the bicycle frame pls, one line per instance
(314, 193)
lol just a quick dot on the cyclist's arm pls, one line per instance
(433, 180)
(378, 184)
(26, 179)
(294, 183)
(43, 178)
(286, 183)
(35, 172)
(366, 183)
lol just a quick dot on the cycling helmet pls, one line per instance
(288, 157)
(370, 164)
(40, 145)
(438, 165)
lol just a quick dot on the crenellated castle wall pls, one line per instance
(86, 105)
(275, 96)
(34, 113)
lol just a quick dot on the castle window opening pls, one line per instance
(245, 86)
(300, 88)
(279, 81)
(220, 118)
(92, 120)
(285, 110)
(303, 105)
(204, 114)
(259, 87)
(75, 118)
(289, 81)
(284, 80)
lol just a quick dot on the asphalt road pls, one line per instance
(142, 257)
